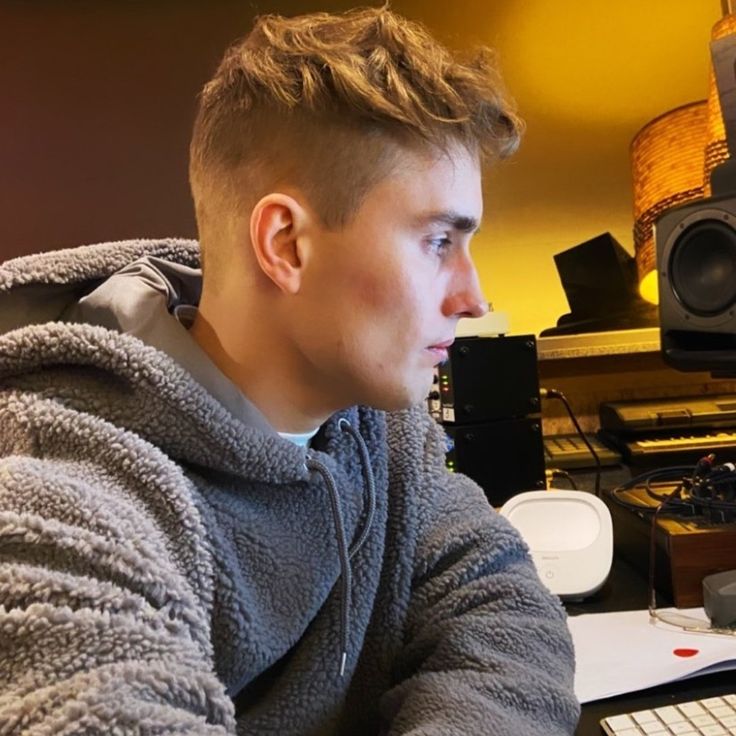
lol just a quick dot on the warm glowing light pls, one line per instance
(613, 66)
(667, 157)
(649, 288)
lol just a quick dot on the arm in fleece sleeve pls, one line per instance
(101, 631)
(487, 650)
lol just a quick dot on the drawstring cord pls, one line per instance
(346, 575)
(345, 553)
(370, 483)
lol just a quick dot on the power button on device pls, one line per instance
(548, 573)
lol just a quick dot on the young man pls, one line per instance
(223, 508)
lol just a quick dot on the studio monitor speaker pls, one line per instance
(696, 265)
(696, 253)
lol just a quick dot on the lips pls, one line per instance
(442, 345)
(439, 351)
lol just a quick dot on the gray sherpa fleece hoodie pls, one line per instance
(169, 564)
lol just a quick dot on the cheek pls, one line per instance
(374, 292)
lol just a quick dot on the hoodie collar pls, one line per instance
(154, 300)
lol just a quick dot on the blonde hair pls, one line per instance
(326, 102)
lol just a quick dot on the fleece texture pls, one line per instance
(166, 568)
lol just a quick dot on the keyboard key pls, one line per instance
(704, 720)
(682, 729)
(644, 716)
(711, 703)
(728, 721)
(618, 723)
(691, 709)
(721, 711)
(669, 714)
(716, 730)
(730, 699)
(653, 727)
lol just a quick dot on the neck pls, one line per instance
(275, 384)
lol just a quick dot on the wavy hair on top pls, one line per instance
(326, 102)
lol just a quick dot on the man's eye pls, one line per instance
(440, 244)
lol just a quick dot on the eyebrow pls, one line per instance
(462, 223)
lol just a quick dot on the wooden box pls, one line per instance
(686, 549)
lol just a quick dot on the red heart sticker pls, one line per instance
(685, 652)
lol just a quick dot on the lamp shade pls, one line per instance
(667, 159)
(716, 150)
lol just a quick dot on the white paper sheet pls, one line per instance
(623, 652)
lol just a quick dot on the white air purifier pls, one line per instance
(570, 535)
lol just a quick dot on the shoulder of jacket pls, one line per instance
(81, 263)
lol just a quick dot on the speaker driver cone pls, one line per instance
(702, 268)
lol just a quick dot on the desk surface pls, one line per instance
(625, 590)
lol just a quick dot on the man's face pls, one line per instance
(382, 296)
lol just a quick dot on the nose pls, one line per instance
(465, 297)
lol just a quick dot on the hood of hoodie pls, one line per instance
(117, 314)
(123, 308)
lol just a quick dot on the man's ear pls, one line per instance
(277, 225)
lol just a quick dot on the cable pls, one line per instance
(702, 490)
(672, 473)
(557, 473)
(552, 393)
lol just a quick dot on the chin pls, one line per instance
(402, 397)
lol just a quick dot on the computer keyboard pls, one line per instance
(675, 449)
(707, 717)
(700, 442)
(567, 451)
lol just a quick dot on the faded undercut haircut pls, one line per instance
(325, 103)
